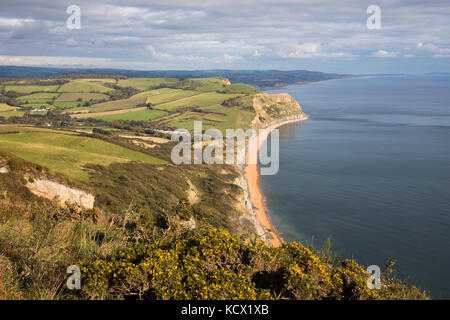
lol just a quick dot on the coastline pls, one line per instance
(251, 175)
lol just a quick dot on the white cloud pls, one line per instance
(227, 58)
(157, 55)
(383, 54)
(311, 50)
(196, 34)
(436, 51)
(192, 58)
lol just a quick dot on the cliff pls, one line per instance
(272, 108)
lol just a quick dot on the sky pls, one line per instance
(322, 35)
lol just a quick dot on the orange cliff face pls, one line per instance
(273, 108)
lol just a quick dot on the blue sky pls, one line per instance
(329, 36)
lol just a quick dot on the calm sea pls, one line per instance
(371, 170)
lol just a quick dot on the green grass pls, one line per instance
(142, 115)
(30, 129)
(11, 113)
(209, 84)
(31, 88)
(5, 107)
(83, 86)
(153, 96)
(41, 97)
(168, 95)
(69, 104)
(74, 96)
(99, 80)
(145, 83)
(239, 88)
(200, 100)
(132, 102)
(67, 153)
(215, 116)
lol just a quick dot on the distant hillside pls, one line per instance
(262, 79)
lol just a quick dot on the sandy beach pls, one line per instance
(251, 174)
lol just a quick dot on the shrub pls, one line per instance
(213, 264)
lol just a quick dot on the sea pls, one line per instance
(370, 170)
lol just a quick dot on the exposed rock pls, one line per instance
(226, 81)
(272, 108)
(53, 190)
(151, 139)
(4, 170)
(192, 193)
(189, 224)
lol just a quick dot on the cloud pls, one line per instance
(436, 51)
(27, 28)
(192, 58)
(383, 54)
(227, 58)
(157, 55)
(195, 34)
(311, 51)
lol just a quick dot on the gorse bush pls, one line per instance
(213, 264)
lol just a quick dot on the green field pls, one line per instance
(66, 153)
(145, 83)
(166, 95)
(8, 114)
(74, 96)
(68, 104)
(215, 116)
(41, 97)
(141, 115)
(204, 99)
(175, 102)
(31, 88)
(99, 80)
(5, 107)
(83, 86)
(134, 101)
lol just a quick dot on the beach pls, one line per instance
(251, 174)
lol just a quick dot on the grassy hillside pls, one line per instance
(29, 88)
(142, 115)
(65, 152)
(75, 96)
(168, 103)
(146, 83)
(38, 97)
(83, 86)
